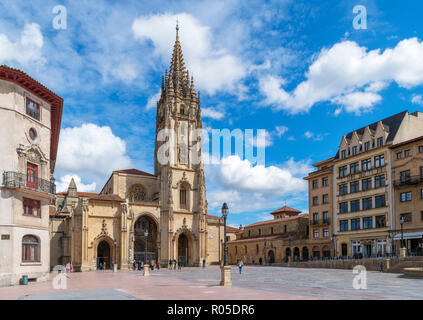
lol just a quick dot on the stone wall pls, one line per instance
(390, 264)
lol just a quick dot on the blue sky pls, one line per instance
(297, 69)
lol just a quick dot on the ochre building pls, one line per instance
(272, 241)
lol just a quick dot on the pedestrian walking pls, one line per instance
(101, 266)
(174, 264)
(204, 263)
(134, 266)
(158, 265)
(179, 264)
(381, 267)
(240, 265)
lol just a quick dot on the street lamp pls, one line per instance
(146, 266)
(225, 269)
(264, 252)
(402, 220)
(115, 263)
(225, 211)
(146, 239)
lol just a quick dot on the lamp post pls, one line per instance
(264, 252)
(146, 266)
(225, 269)
(114, 262)
(403, 249)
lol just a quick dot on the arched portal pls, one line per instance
(305, 253)
(104, 255)
(145, 247)
(184, 249)
(296, 254)
(271, 257)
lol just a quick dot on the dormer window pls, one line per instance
(343, 154)
(182, 110)
(367, 146)
(354, 150)
(380, 142)
(32, 109)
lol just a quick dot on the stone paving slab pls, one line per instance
(101, 294)
(255, 283)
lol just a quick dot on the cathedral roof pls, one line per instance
(134, 171)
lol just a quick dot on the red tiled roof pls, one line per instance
(271, 237)
(274, 221)
(211, 216)
(231, 229)
(287, 210)
(134, 171)
(56, 102)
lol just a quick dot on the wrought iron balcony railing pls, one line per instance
(320, 222)
(19, 180)
(408, 180)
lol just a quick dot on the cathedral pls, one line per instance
(140, 216)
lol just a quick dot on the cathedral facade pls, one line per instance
(139, 216)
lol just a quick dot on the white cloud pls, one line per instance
(349, 75)
(212, 113)
(152, 101)
(313, 136)
(280, 130)
(26, 50)
(235, 174)
(93, 149)
(125, 72)
(262, 139)
(63, 183)
(417, 99)
(213, 68)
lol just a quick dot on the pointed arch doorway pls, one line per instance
(104, 255)
(184, 249)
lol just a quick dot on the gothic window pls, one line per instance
(183, 197)
(183, 143)
(137, 194)
(183, 154)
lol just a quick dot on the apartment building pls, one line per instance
(407, 173)
(362, 185)
(30, 124)
(320, 209)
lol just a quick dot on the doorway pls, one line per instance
(183, 249)
(103, 256)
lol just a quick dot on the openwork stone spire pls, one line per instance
(177, 73)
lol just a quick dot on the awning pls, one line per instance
(412, 235)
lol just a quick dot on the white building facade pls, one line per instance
(30, 116)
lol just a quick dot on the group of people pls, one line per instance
(172, 264)
(139, 265)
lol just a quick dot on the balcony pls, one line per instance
(406, 181)
(323, 222)
(19, 180)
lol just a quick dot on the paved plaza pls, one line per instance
(255, 282)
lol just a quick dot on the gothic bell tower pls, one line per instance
(179, 167)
